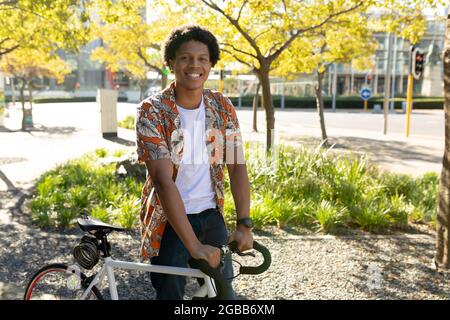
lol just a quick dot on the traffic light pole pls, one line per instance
(416, 61)
(409, 90)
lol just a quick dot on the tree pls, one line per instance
(27, 63)
(42, 23)
(442, 258)
(347, 40)
(130, 44)
(256, 33)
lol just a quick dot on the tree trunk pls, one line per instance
(22, 100)
(255, 108)
(442, 258)
(319, 103)
(13, 92)
(30, 94)
(268, 107)
(141, 90)
(164, 79)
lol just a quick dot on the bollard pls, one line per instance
(377, 108)
(107, 99)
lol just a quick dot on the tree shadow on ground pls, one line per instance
(41, 129)
(121, 141)
(9, 184)
(38, 128)
(382, 276)
(378, 150)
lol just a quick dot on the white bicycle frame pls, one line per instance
(207, 289)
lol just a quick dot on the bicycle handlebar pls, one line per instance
(258, 269)
(219, 279)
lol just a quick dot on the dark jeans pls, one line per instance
(209, 227)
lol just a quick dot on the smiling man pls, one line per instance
(186, 134)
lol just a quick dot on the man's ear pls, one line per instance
(171, 65)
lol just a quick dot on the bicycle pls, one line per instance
(60, 280)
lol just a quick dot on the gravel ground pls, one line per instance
(396, 266)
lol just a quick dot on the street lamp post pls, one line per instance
(394, 71)
(333, 103)
(387, 78)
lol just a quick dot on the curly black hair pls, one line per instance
(185, 33)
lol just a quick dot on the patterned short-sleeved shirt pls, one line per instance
(159, 136)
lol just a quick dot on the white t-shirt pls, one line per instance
(194, 178)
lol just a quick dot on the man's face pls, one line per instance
(191, 65)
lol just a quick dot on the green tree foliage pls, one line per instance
(42, 23)
(130, 43)
(256, 33)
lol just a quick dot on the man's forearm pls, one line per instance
(176, 213)
(240, 189)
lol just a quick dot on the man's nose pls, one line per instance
(193, 62)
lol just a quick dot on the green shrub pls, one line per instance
(127, 123)
(85, 186)
(311, 188)
(328, 216)
(101, 152)
(294, 187)
(118, 153)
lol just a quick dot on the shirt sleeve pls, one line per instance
(233, 138)
(150, 135)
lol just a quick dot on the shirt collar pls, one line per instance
(169, 96)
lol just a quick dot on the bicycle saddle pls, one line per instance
(91, 225)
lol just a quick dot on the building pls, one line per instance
(350, 82)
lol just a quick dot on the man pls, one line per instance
(185, 135)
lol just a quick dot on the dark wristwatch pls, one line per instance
(246, 222)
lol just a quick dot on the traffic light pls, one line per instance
(418, 61)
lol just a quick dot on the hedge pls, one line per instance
(59, 100)
(351, 102)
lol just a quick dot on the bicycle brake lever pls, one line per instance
(233, 248)
(242, 254)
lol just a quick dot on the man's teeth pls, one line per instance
(194, 75)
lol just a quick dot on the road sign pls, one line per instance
(365, 93)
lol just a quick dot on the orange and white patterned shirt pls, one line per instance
(159, 136)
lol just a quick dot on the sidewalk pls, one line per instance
(361, 132)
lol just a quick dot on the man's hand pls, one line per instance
(206, 252)
(243, 237)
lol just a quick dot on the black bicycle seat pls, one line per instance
(91, 225)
